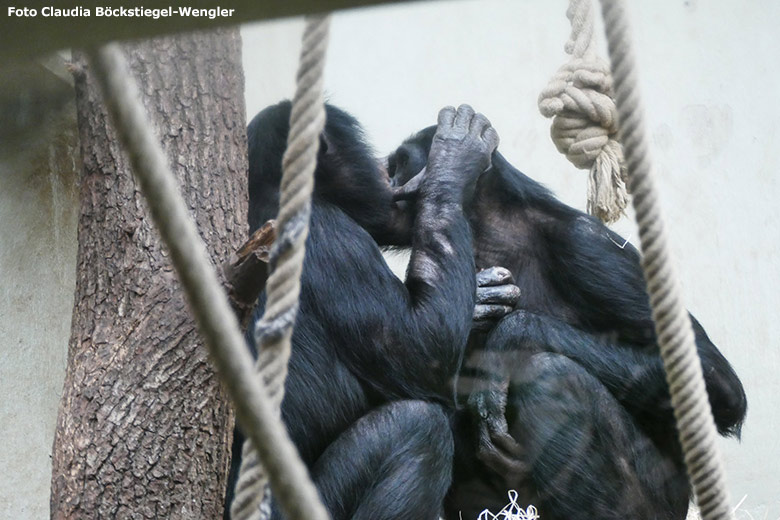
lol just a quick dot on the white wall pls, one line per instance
(710, 78)
(38, 218)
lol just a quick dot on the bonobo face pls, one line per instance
(410, 158)
(406, 165)
(348, 175)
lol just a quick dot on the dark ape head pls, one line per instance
(409, 159)
(502, 182)
(348, 174)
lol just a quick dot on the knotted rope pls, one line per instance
(579, 100)
(273, 332)
(288, 475)
(695, 424)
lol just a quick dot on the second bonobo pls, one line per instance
(567, 396)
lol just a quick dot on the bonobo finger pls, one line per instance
(494, 276)
(490, 312)
(490, 136)
(501, 438)
(446, 116)
(483, 324)
(507, 467)
(478, 124)
(463, 117)
(500, 294)
(410, 189)
(504, 462)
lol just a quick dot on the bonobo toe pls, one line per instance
(446, 116)
(463, 117)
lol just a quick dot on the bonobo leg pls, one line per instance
(633, 374)
(394, 463)
(583, 452)
(583, 455)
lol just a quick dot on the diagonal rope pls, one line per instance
(274, 331)
(696, 427)
(580, 102)
(256, 413)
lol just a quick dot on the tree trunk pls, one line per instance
(144, 427)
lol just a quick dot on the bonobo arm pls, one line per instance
(635, 376)
(601, 275)
(407, 339)
(598, 273)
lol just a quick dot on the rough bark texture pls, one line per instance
(144, 427)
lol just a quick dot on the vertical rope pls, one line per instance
(579, 100)
(696, 427)
(288, 475)
(273, 332)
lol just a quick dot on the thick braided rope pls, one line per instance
(695, 424)
(274, 331)
(579, 100)
(288, 475)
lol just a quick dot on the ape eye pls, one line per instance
(391, 165)
(402, 159)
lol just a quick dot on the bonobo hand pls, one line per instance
(496, 297)
(461, 150)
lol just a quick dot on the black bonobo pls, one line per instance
(374, 359)
(569, 392)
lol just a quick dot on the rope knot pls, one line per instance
(580, 101)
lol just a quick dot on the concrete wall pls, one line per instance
(710, 78)
(38, 218)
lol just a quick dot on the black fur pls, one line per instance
(587, 398)
(370, 383)
(574, 370)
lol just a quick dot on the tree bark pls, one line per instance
(144, 428)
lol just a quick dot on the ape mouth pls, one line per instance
(402, 190)
(384, 170)
(409, 189)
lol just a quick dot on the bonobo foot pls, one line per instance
(496, 447)
(488, 385)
